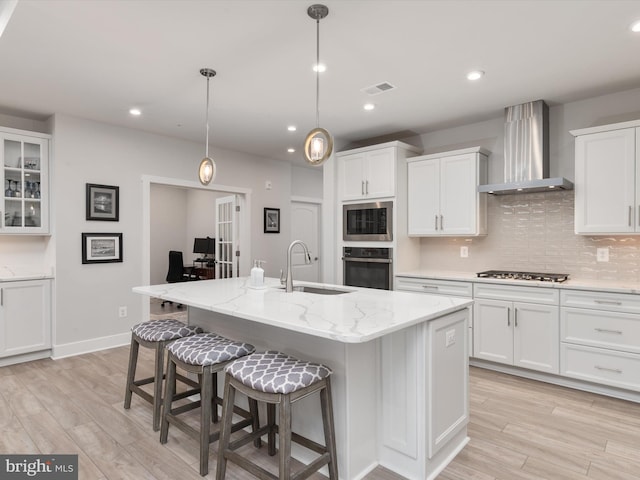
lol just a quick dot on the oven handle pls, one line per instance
(367, 260)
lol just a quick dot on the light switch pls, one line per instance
(450, 338)
(464, 252)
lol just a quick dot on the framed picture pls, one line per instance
(103, 202)
(101, 247)
(271, 220)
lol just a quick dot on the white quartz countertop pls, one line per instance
(358, 316)
(573, 284)
(16, 273)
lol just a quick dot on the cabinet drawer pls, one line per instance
(617, 369)
(439, 287)
(544, 295)
(619, 331)
(614, 302)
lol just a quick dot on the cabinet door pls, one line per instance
(458, 194)
(24, 161)
(493, 331)
(605, 182)
(423, 190)
(25, 317)
(536, 337)
(380, 176)
(352, 176)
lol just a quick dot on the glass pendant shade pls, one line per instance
(207, 171)
(318, 146)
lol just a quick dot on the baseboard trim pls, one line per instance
(558, 380)
(24, 357)
(88, 346)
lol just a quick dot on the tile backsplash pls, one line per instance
(534, 232)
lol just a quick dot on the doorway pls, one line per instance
(305, 226)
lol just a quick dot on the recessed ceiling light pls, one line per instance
(135, 112)
(635, 27)
(369, 106)
(321, 67)
(475, 75)
(292, 128)
(291, 150)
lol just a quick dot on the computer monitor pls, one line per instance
(204, 246)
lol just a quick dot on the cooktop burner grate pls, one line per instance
(540, 277)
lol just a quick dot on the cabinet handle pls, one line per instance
(1, 297)
(614, 370)
(436, 222)
(630, 214)
(435, 287)
(366, 187)
(515, 315)
(605, 330)
(608, 302)
(441, 223)
(362, 188)
(508, 316)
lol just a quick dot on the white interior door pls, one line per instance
(227, 251)
(305, 226)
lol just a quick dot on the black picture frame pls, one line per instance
(271, 220)
(101, 248)
(102, 202)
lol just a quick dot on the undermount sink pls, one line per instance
(318, 290)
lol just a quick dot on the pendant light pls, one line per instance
(207, 169)
(318, 144)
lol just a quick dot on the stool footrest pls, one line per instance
(184, 408)
(312, 468)
(144, 395)
(250, 467)
(186, 394)
(247, 438)
(310, 444)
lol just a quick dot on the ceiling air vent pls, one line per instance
(378, 88)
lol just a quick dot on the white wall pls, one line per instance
(88, 296)
(168, 228)
(307, 181)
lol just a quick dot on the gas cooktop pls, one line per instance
(540, 277)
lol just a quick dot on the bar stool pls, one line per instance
(277, 379)
(154, 334)
(205, 354)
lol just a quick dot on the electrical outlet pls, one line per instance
(602, 254)
(464, 252)
(450, 338)
(268, 185)
(122, 312)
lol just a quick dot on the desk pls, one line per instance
(204, 273)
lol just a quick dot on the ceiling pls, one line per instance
(96, 59)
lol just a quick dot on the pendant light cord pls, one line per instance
(317, 73)
(206, 147)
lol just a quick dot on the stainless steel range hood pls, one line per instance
(526, 152)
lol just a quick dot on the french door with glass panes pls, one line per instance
(227, 252)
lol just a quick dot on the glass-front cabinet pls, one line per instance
(25, 175)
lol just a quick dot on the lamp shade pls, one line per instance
(206, 171)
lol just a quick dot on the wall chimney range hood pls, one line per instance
(526, 152)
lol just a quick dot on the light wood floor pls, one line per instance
(520, 429)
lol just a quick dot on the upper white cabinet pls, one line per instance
(370, 172)
(607, 180)
(443, 198)
(25, 175)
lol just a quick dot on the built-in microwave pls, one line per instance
(362, 222)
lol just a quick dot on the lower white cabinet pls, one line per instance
(439, 287)
(25, 317)
(518, 333)
(600, 338)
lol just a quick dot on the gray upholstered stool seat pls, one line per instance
(154, 334)
(205, 354)
(277, 379)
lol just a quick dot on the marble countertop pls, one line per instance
(573, 284)
(16, 273)
(358, 316)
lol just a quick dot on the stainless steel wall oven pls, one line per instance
(368, 267)
(367, 222)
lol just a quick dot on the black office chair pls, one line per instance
(177, 272)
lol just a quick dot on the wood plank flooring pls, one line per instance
(520, 429)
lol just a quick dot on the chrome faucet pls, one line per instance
(288, 280)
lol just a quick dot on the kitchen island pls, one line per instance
(400, 382)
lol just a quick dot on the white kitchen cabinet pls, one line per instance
(607, 179)
(370, 172)
(600, 335)
(508, 328)
(439, 287)
(25, 179)
(25, 317)
(443, 198)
